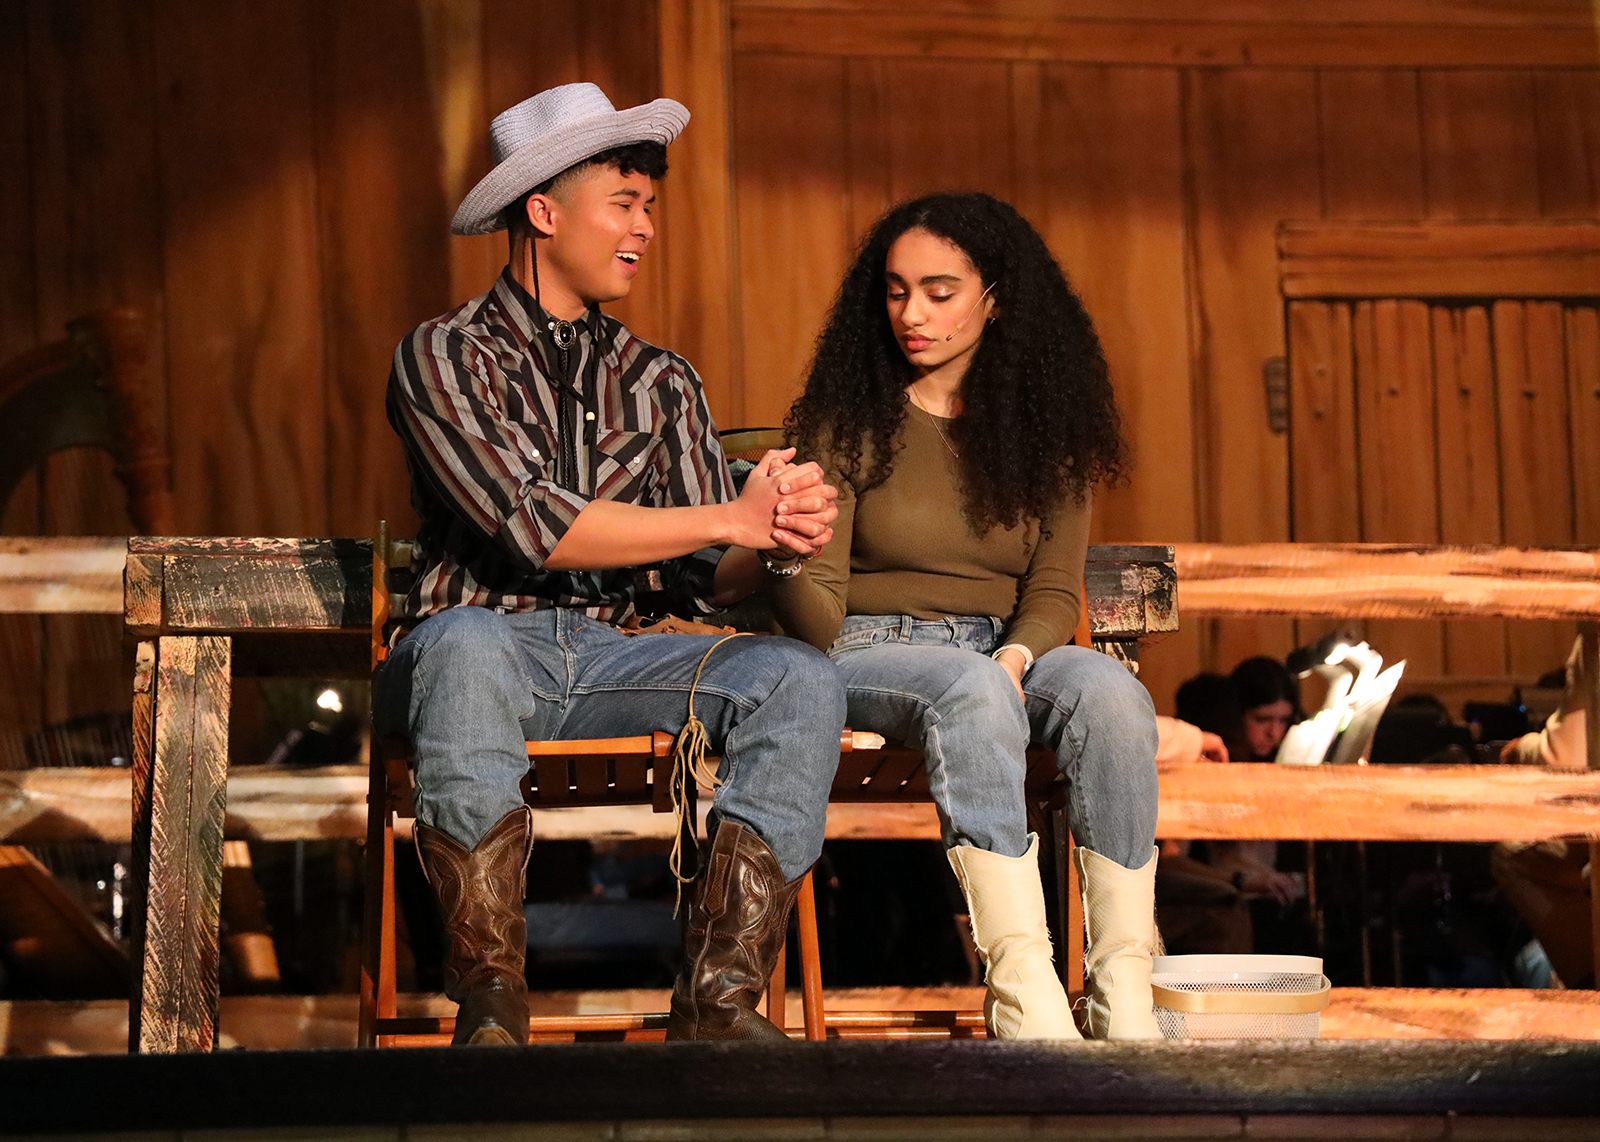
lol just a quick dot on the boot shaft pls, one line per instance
(480, 894)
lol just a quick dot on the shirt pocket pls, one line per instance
(623, 462)
(858, 634)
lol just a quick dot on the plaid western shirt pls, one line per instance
(475, 398)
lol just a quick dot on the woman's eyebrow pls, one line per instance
(938, 279)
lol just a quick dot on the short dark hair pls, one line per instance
(644, 158)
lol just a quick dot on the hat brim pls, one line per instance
(525, 168)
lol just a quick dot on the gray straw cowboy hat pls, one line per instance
(545, 135)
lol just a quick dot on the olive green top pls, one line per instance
(905, 548)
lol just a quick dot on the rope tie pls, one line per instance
(690, 763)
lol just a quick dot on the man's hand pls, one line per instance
(784, 505)
(1212, 747)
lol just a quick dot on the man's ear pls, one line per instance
(542, 211)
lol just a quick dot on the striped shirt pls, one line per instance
(475, 398)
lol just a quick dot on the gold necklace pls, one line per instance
(911, 392)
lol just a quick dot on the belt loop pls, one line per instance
(906, 624)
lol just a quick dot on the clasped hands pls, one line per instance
(785, 508)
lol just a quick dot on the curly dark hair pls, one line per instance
(1039, 418)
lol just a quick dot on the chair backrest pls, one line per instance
(94, 389)
(750, 444)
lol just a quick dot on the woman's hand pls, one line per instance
(1212, 747)
(1015, 665)
(784, 505)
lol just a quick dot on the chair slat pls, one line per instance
(896, 767)
(553, 780)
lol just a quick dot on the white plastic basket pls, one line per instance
(1239, 997)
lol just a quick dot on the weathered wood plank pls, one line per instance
(1169, 42)
(1439, 259)
(141, 592)
(66, 575)
(188, 801)
(1377, 802)
(238, 592)
(311, 1022)
(1387, 581)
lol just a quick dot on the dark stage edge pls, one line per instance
(231, 1089)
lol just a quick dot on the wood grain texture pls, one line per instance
(1386, 581)
(1253, 161)
(136, 905)
(1399, 464)
(41, 575)
(771, 147)
(178, 997)
(704, 321)
(1568, 117)
(1244, 800)
(1583, 395)
(1181, 42)
(1535, 454)
(141, 587)
(234, 592)
(1467, 421)
(1480, 144)
(384, 249)
(614, 44)
(247, 391)
(1325, 478)
(312, 1022)
(1439, 259)
(1371, 144)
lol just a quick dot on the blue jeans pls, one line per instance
(471, 686)
(931, 684)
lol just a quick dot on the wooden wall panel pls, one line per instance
(1251, 140)
(867, 142)
(1469, 469)
(1371, 145)
(96, 220)
(792, 179)
(1481, 145)
(1100, 169)
(1583, 393)
(930, 152)
(454, 48)
(384, 249)
(244, 322)
(20, 693)
(1567, 110)
(1536, 461)
(1399, 464)
(606, 42)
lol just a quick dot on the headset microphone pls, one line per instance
(952, 334)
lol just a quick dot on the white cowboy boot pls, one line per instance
(1119, 910)
(1006, 902)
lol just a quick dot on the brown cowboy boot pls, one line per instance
(737, 922)
(480, 893)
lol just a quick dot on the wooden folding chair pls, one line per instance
(562, 774)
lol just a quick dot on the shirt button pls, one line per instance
(535, 453)
(588, 416)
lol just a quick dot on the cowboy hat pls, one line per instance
(543, 136)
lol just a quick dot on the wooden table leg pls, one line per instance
(180, 780)
(1589, 680)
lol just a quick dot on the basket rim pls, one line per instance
(1228, 964)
